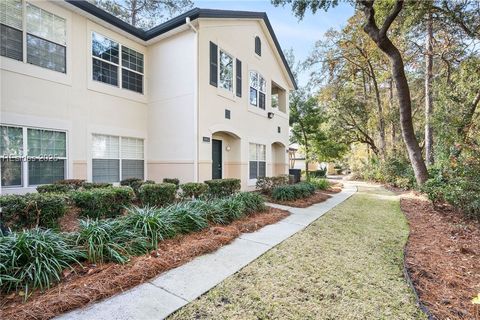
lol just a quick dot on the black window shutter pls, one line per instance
(213, 64)
(239, 78)
(258, 46)
(261, 102)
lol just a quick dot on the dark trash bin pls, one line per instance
(297, 173)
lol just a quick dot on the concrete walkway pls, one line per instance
(161, 296)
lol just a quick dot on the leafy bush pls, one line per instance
(252, 201)
(175, 181)
(321, 173)
(33, 209)
(186, 217)
(33, 259)
(96, 185)
(193, 189)
(320, 183)
(293, 192)
(267, 184)
(103, 202)
(459, 187)
(55, 188)
(157, 195)
(223, 187)
(135, 184)
(109, 240)
(152, 223)
(395, 171)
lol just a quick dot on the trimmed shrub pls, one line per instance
(135, 184)
(252, 201)
(267, 184)
(157, 195)
(293, 192)
(218, 188)
(96, 185)
(103, 202)
(186, 217)
(175, 181)
(152, 223)
(33, 259)
(73, 183)
(109, 240)
(54, 188)
(193, 189)
(33, 209)
(320, 183)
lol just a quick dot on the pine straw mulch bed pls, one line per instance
(443, 258)
(94, 282)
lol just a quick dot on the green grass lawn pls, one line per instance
(346, 265)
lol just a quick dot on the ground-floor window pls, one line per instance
(37, 156)
(257, 163)
(116, 158)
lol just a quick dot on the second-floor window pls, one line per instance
(226, 71)
(115, 64)
(45, 35)
(258, 88)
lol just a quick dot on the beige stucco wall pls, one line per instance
(178, 108)
(250, 124)
(171, 117)
(37, 97)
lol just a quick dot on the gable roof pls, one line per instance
(180, 20)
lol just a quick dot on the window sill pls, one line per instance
(34, 71)
(116, 91)
(230, 95)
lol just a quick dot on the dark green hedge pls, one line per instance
(33, 209)
(135, 184)
(103, 202)
(193, 189)
(218, 188)
(157, 195)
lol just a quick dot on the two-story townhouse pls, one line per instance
(201, 96)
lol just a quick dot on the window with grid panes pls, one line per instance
(112, 61)
(257, 163)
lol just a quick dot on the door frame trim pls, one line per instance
(222, 160)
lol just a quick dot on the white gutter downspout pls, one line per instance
(195, 101)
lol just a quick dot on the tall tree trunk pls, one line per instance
(428, 90)
(394, 127)
(379, 36)
(381, 120)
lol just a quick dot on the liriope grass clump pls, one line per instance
(153, 223)
(34, 259)
(109, 240)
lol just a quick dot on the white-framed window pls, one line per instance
(116, 64)
(45, 159)
(117, 158)
(45, 35)
(258, 88)
(257, 160)
(225, 71)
